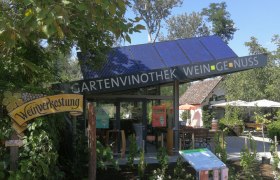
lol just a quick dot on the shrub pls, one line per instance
(231, 118)
(103, 156)
(248, 160)
(185, 115)
(162, 158)
(207, 116)
(273, 129)
(132, 150)
(142, 165)
(220, 147)
(180, 171)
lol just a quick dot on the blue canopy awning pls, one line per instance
(146, 57)
(162, 62)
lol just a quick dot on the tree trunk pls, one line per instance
(92, 141)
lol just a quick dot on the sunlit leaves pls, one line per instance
(89, 25)
(219, 17)
(153, 13)
(12, 100)
(260, 83)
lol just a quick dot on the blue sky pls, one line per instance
(257, 18)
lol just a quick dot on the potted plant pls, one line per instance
(185, 116)
(263, 121)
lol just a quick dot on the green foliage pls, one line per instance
(153, 12)
(162, 158)
(274, 155)
(261, 83)
(104, 156)
(220, 146)
(2, 170)
(185, 26)
(222, 25)
(262, 119)
(5, 134)
(276, 159)
(185, 115)
(248, 160)
(35, 35)
(132, 150)
(142, 165)
(273, 129)
(180, 171)
(78, 159)
(212, 20)
(38, 158)
(231, 118)
(207, 116)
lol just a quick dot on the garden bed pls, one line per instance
(263, 171)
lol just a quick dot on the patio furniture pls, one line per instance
(194, 137)
(112, 139)
(200, 137)
(185, 139)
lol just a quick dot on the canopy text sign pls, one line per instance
(47, 105)
(158, 76)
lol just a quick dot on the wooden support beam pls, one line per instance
(92, 141)
(203, 175)
(176, 114)
(14, 154)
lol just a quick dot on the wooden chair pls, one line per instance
(200, 137)
(112, 139)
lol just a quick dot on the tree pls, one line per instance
(185, 26)
(213, 20)
(256, 83)
(36, 38)
(222, 25)
(33, 33)
(152, 12)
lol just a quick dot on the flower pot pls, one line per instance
(237, 129)
(265, 160)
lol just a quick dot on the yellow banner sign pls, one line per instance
(47, 105)
(19, 129)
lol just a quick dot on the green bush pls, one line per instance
(132, 151)
(273, 129)
(105, 157)
(207, 116)
(160, 173)
(185, 115)
(142, 165)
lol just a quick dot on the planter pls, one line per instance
(265, 160)
(237, 129)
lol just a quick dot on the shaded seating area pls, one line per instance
(196, 137)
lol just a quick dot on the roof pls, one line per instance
(198, 91)
(146, 57)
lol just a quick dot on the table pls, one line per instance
(203, 161)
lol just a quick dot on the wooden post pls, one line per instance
(92, 141)
(14, 154)
(216, 174)
(169, 143)
(223, 143)
(193, 143)
(176, 114)
(224, 174)
(276, 143)
(203, 175)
